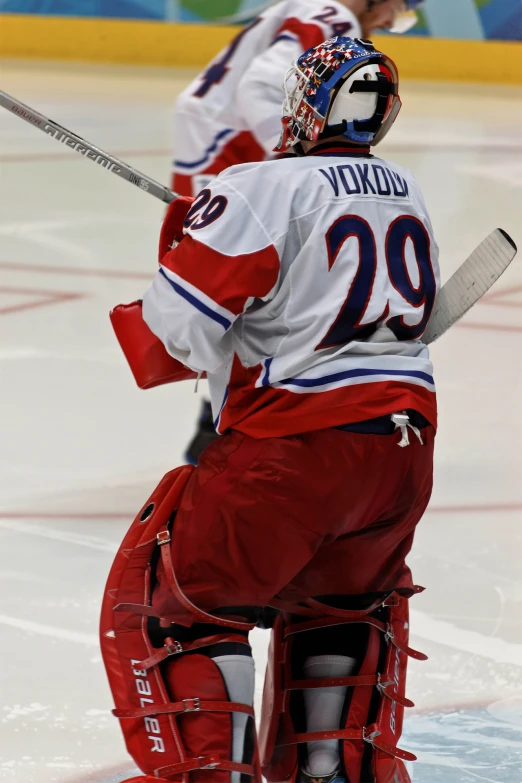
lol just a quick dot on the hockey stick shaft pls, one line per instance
(85, 148)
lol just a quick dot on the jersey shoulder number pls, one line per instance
(217, 71)
(328, 16)
(205, 210)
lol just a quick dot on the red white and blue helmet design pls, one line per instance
(344, 87)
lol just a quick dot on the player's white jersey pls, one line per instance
(302, 287)
(232, 112)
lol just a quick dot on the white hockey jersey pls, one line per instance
(232, 113)
(302, 287)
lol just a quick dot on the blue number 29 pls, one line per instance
(347, 326)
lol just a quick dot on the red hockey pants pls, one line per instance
(322, 513)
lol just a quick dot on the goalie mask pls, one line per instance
(344, 87)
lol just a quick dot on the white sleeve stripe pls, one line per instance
(358, 373)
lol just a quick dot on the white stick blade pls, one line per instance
(470, 282)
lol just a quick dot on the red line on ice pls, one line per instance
(479, 508)
(74, 270)
(42, 157)
(490, 327)
(483, 508)
(45, 298)
(67, 515)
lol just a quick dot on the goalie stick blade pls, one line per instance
(470, 282)
(509, 239)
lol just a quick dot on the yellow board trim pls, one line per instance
(449, 60)
(129, 42)
(134, 42)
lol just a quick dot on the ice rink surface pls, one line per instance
(82, 447)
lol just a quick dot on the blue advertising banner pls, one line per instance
(464, 19)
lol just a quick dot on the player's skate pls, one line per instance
(205, 434)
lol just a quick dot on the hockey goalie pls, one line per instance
(231, 113)
(302, 287)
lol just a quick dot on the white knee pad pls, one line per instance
(239, 674)
(324, 708)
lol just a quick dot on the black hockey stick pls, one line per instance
(85, 148)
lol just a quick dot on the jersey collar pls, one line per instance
(339, 149)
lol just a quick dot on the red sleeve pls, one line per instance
(308, 34)
(228, 280)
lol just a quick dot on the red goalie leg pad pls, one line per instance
(176, 716)
(277, 763)
(390, 715)
(146, 355)
(372, 718)
(193, 679)
(153, 739)
(145, 779)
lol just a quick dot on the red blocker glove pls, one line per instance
(148, 359)
(172, 228)
(146, 355)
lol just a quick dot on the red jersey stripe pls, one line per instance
(309, 34)
(228, 280)
(270, 412)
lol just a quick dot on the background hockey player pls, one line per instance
(232, 112)
(302, 287)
